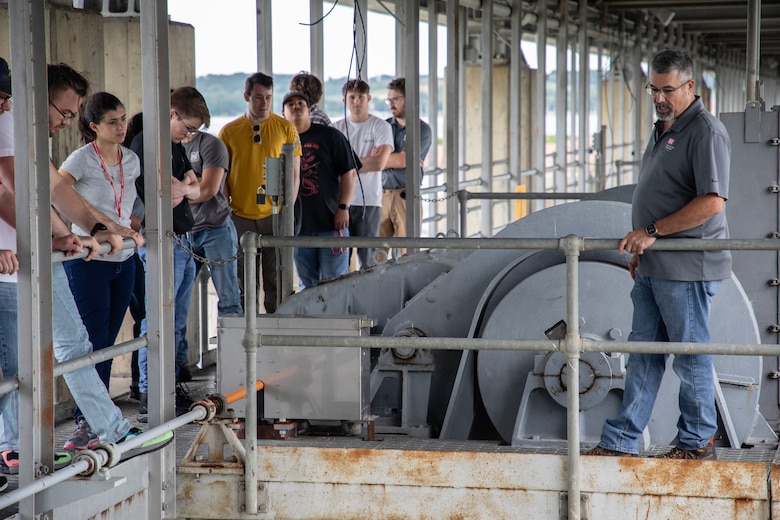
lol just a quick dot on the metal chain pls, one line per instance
(196, 256)
(440, 199)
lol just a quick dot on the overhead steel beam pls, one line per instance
(497, 10)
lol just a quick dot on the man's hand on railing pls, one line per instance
(69, 244)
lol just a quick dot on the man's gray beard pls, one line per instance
(665, 117)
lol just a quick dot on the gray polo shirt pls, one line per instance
(691, 159)
(206, 151)
(395, 178)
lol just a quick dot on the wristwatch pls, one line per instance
(98, 227)
(651, 230)
(343, 206)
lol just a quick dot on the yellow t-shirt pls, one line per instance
(247, 160)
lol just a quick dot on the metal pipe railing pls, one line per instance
(90, 462)
(573, 344)
(249, 244)
(98, 356)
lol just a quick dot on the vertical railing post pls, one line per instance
(285, 254)
(249, 247)
(572, 245)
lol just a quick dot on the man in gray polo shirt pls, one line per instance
(681, 193)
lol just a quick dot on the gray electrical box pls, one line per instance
(311, 383)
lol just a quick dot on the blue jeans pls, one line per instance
(102, 293)
(9, 363)
(218, 244)
(183, 279)
(364, 222)
(315, 264)
(667, 310)
(71, 341)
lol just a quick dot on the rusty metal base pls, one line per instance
(399, 477)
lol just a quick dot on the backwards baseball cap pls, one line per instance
(293, 94)
(5, 77)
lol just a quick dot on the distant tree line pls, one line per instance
(224, 94)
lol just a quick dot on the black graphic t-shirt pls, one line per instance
(326, 157)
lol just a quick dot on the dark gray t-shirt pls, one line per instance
(206, 151)
(691, 159)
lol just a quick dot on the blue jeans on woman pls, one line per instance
(667, 310)
(183, 280)
(315, 264)
(219, 244)
(102, 292)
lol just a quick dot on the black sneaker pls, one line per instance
(82, 437)
(155, 444)
(705, 453)
(135, 393)
(143, 408)
(3, 483)
(185, 374)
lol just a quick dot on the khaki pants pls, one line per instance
(393, 223)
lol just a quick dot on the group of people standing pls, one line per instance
(350, 176)
(350, 179)
(99, 188)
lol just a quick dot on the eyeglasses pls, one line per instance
(393, 100)
(191, 130)
(653, 92)
(257, 137)
(3, 99)
(65, 117)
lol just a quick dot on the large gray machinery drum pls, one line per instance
(524, 393)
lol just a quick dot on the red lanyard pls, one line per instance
(117, 200)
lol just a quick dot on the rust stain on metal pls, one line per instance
(47, 367)
(744, 508)
(695, 478)
(195, 489)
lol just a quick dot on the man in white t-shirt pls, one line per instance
(372, 140)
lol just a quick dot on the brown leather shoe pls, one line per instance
(604, 452)
(705, 453)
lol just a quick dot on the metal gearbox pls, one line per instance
(313, 383)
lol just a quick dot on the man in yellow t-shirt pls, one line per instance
(250, 139)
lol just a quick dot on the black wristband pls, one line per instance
(343, 206)
(98, 227)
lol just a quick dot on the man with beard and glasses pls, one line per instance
(681, 193)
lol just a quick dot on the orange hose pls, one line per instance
(235, 395)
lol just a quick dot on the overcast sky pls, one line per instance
(225, 37)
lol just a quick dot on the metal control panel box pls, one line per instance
(312, 383)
